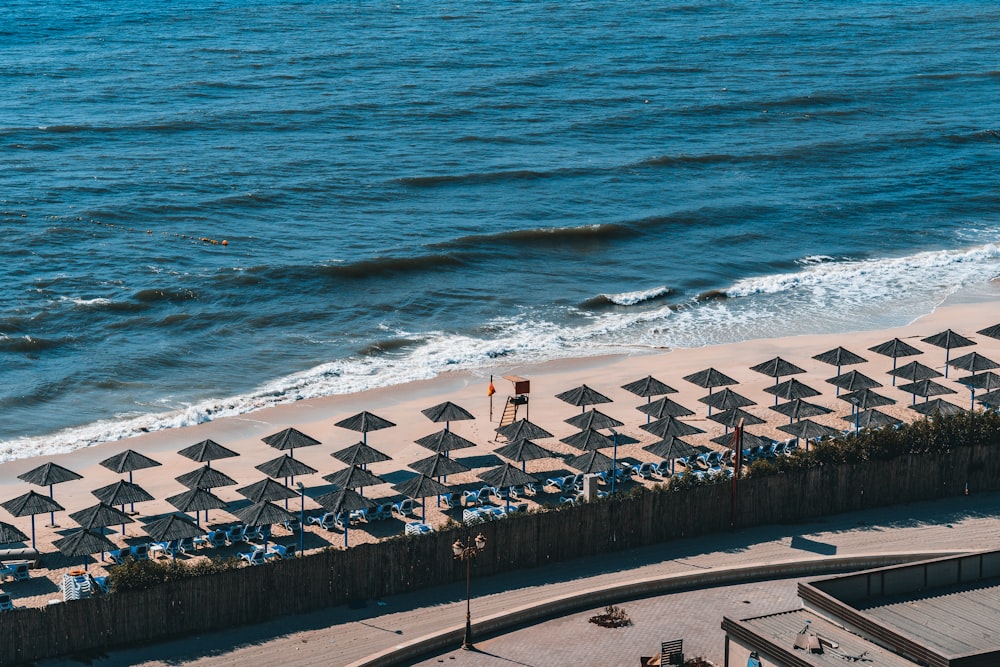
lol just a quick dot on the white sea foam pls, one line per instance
(632, 298)
(828, 295)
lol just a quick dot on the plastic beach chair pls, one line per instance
(255, 557)
(5, 602)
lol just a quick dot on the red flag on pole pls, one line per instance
(492, 390)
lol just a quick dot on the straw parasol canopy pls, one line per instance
(731, 418)
(799, 409)
(871, 418)
(665, 407)
(360, 454)
(207, 451)
(289, 439)
(672, 448)
(926, 388)
(49, 474)
(506, 476)
(972, 362)
(122, 493)
(990, 398)
(777, 368)
(363, 422)
(727, 399)
(791, 389)
(262, 513)
(914, 371)
(205, 478)
(992, 332)
(987, 381)
(866, 398)
(807, 429)
(854, 381)
(937, 406)
(750, 440)
(129, 461)
(285, 466)
(593, 419)
(196, 500)
(522, 429)
(11, 534)
(31, 503)
(524, 450)
(648, 387)
(353, 477)
(948, 339)
(444, 441)
(344, 500)
(591, 462)
(83, 542)
(670, 426)
(265, 490)
(588, 439)
(447, 412)
(838, 357)
(583, 396)
(710, 378)
(173, 527)
(100, 515)
(439, 465)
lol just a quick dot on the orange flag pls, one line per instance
(492, 390)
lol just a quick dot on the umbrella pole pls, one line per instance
(947, 353)
(52, 515)
(345, 530)
(33, 532)
(614, 462)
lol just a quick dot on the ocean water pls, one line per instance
(406, 188)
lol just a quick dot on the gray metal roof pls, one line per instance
(955, 621)
(779, 631)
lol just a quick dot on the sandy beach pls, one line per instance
(402, 405)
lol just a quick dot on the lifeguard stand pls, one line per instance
(520, 397)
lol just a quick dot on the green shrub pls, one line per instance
(141, 574)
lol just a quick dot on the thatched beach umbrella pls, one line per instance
(195, 500)
(128, 462)
(49, 474)
(524, 450)
(588, 439)
(83, 542)
(925, 388)
(871, 418)
(447, 412)
(664, 407)
(671, 449)
(790, 390)
(895, 348)
(522, 429)
(948, 339)
(583, 396)
(289, 439)
(732, 418)
(284, 467)
(799, 409)
(914, 371)
(11, 534)
(750, 440)
(972, 362)
(363, 422)
(31, 503)
(854, 381)
(838, 357)
(360, 454)
(266, 490)
(670, 426)
(807, 430)
(506, 476)
(444, 442)
(421, 487)
(990, 399)
(727, 399)
(173, 527)
(263, 513)
(938, 406)
(992, 332)
(866, 398)
(987, 381)
(593, 419)
(205, 478)
(100, 515)
(353, 477)
(207, 451)
(344, 502)
(438, 466)
(777, 368)
(591, 462)
(648, 387)
(122, 493)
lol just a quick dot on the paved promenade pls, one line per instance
(370, 635)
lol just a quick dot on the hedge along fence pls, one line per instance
(800, 488)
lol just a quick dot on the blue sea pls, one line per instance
(210, 207)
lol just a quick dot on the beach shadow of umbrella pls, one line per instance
(949, 340)
(83, 542)
(207, 451)
(30, 504)
(363, 422)
(894, 348)
(49, 474)
(582, 396)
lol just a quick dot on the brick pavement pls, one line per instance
(343, 636)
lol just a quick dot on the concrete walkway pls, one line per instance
(402, 628)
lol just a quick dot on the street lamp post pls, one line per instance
(614, 461)
(467, 553)
(302, 517)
